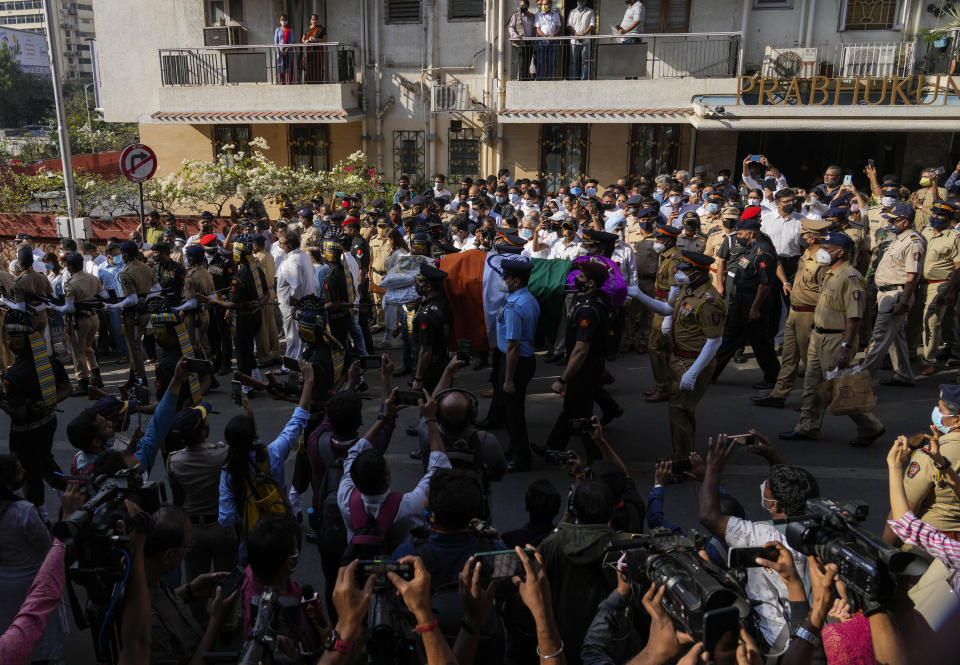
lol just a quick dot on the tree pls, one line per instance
(353, 175)
(27, 98)
(105, 136)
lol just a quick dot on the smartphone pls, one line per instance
(502, 564)
(141, 393)
(746, 557)
(848, 180)
(291, 364)
(463, 350)
(113, 295)
(755, 158)
(580, 425)
(871, 162)
(380, 568)
(371, 362)
(559, 457)
(681, 466)
(409, 397)
(233, 581)
(747, 439)
(236, 392)
(721, 626)
(199, 366)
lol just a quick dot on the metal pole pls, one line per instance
(66, 157)
(86, 102)
(143, 230)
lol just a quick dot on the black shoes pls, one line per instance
(607, 418)
(739, 358)
(774, 402)
(794, 435)
(763, 385)
(865, 441)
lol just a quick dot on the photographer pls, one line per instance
(175, 636)
(615, 632)
(784, 494)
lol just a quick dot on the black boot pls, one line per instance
(83, 386)
(96, 379)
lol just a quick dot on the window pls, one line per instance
(310, 146)
(403, 11)
(654, 149)
(563, 154)
(84, 61)
(236, 135)
(463, 157)
(667, 16)
(224, 11)
(408, 155)
(773, 4)
(465, 8)
(873, 14)
(23, 18)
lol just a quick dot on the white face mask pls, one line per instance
(824, 257)
(658, 247)
(526, 233)
(681, 278)
(721, 178)
(674, 200)
(753, 202)
(888, 201)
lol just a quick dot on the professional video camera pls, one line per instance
(871, 569)
(97, 550)
(703, 599)
(389, 623)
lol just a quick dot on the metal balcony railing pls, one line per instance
(462, 94)
(618, 57)
(294, 64)
(876, 59)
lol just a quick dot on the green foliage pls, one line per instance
(105, 136)
(26, 98)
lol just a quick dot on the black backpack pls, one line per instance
(464, 455)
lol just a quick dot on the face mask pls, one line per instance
(210, 252)
(712, 208)
(498, 199)
(741, 241)
(788, 209)
(117, 260)
(753, 202)
(770, 183)
(823, 257)
(658, 247)
(526, 233)
(591, 191)
(802, 241)
(888, 201)
(925, 182)
(581, 284)
(728, 224)
(721, 178)
(576, 191)
(854, 207)
(681, 278)
(937, 418)
(87, 257)
(514, 197)
(674, 200)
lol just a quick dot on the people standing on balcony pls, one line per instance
(312, 61)
(547, 23)
(520, 28)
(632, 22)
(580, 22)
(284, 59)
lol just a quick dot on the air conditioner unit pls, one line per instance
(877, 60)
(451, 97)
(224, 35)
(786, 63)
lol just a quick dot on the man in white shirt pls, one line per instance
(547, 24)
(296, 279)
(752, 174)
(542, 239)
(632, 22)
(580, 21)
(674, 207)
(439, 190)
(783, 228)
(567, 246)
(784, 493)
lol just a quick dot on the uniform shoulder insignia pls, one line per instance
(584, 323)
(913, 469)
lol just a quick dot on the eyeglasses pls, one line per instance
(763, 497)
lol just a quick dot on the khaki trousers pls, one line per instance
(81, 345)
(658, 348)
(933, 320)
(796, 340)
(888, 331)
(683, 404)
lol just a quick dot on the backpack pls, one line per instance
(331, 529)
(263, 496)
(464, 455)
(370, 533)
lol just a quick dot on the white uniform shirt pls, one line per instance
(561, 250)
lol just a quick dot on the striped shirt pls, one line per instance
(916, 532)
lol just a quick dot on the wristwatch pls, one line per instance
(846, 345)
(334, 643)
(808, 637)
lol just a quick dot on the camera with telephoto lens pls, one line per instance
(390, 628)
(872, 570)
(97, 550)
(697, 591)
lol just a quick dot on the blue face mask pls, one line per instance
(591, 191)
(117, 260)
(514, 197)
(712, 208)
(48, 266)
(937, 418)
(499, 199)
(576, 191)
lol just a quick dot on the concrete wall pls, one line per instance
(175, 143)
(626, 95)
(521, 150)
(716, 150)
(344, 140)
(608, 157)
(923, 150)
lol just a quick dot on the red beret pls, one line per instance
(209, 238)
(351, 221)
(751, 212)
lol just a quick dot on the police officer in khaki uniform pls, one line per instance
(32, 289)
(665, 245)
(6, 289)
(713, 213)
(196, 290)
(940, 261)
(804, 291)
(639, 234)
(80, 291)
(690, 239)
(136, 281)
(696, 317)
(896, 277)
(929, 496)
(311, 236)
(380, 249)
(833, 342)
(268, 339)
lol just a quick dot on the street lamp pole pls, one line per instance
(66, 156)
(86, 103)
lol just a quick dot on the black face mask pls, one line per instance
(788, 209)
(741, 241)
(420, 288)
(729, 224)
(802, 241)
(581, 284)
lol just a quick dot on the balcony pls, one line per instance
(462, 94)
(863, 59)
(608, 58)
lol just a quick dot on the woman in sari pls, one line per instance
(284, 60)
(312, 60)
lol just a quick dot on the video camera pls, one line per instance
(871, 569)
(389, 623)
(276, 615)
(97, 552)
(699, 596)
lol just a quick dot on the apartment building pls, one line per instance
(74, 30)
(426, 86)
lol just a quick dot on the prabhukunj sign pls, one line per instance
(847, 91)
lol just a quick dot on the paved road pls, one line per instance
(641, 437)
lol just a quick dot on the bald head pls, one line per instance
(455, 411)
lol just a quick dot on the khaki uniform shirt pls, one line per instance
(81, 287)
(937, 504)
(647, 259)
(311, 237)
(922, 212)
(29, 285)
(668, 265)
(903, 256)
(6, 283)
(859, 236)
(842, 296)
(380, 250)
(807, 281)
(196, 470)
(877, 229)
(267, 265)
(698, 315)
(714, 240)
(199, 282)
(694, 243)
(943, 251)
(137, 277)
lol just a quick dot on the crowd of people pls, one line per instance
(689, 269)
